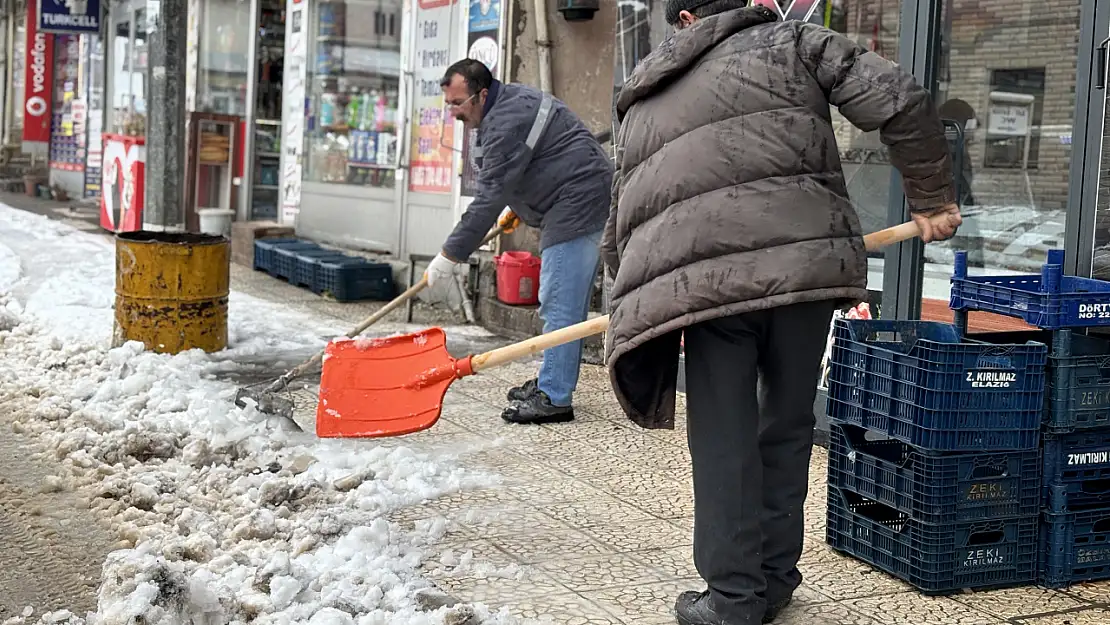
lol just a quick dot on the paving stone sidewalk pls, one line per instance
(597, 517)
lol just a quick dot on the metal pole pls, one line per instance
(167, 31)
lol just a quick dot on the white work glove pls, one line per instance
(441, 271)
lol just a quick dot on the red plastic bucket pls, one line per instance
(518, 278)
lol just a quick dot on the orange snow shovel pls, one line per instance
(373, 388)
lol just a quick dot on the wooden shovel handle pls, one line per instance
(535, 345)
(890, 236)
(539, 343)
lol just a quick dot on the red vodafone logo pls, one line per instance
(36, 106)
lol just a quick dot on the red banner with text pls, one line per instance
(38, 85)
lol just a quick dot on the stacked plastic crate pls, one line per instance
(324, 271)
(934, 468)
(1075, 528)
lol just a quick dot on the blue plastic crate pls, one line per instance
(285, 259)
(264, 252)
(936, 559)
(1050, 301)
(1077, 393)
(935, 489)
(308, 264)
(1077, 471)
(1075, 547)
(919, 383)
(355, 279)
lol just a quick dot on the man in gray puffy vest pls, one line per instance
(732, 226)
(534, 154)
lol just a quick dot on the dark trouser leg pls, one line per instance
(789, 367)
(723, 421)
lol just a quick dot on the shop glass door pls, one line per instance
(1006, 87)
(1099, 171)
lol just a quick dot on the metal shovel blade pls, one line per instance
(269, 403)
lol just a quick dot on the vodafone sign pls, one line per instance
(39, 81)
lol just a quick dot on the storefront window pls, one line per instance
(1007, 80)
(129, 63)
(876, 26)
(224, 46)
(1100, 264)
(354, 72)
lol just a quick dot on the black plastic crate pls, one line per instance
(1075, 547)
(931, 488)
(264, 252)
(1077, 471)
(1049, 301)
(1079, 384)
(1077, 392)
(936, 559)
(355, 279)
(308, 263)
(920, 383)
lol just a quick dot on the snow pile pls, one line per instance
(9, 269)
(228, 517)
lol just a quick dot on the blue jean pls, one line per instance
(567, 273)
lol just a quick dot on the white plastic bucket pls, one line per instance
(215, 221)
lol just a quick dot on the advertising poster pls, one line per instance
(483, 44)
(294, 110)
(433, 132)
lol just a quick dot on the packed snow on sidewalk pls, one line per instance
(232, 518)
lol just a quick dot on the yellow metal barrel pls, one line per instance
(171, 291)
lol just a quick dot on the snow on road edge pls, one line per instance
(232, 519)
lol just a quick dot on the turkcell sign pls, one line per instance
(69, 16)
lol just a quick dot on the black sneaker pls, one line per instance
(537, 409)
(774, 609)
(525, 391)
(694, 608)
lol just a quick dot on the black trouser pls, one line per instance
(751, 451)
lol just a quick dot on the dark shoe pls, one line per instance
(774, 609)
(537, 409)
(525, 391)
(693, 608)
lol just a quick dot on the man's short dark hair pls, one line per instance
(700, 8)
(475, 73)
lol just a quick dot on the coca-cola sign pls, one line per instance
(39, 76)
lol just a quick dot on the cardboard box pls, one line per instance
(244, 233)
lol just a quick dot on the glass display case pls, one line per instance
(266, 146)
(353, 78)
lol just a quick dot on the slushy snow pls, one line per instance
(228, 517)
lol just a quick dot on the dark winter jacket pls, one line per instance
(561, 187)
(729, 195)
